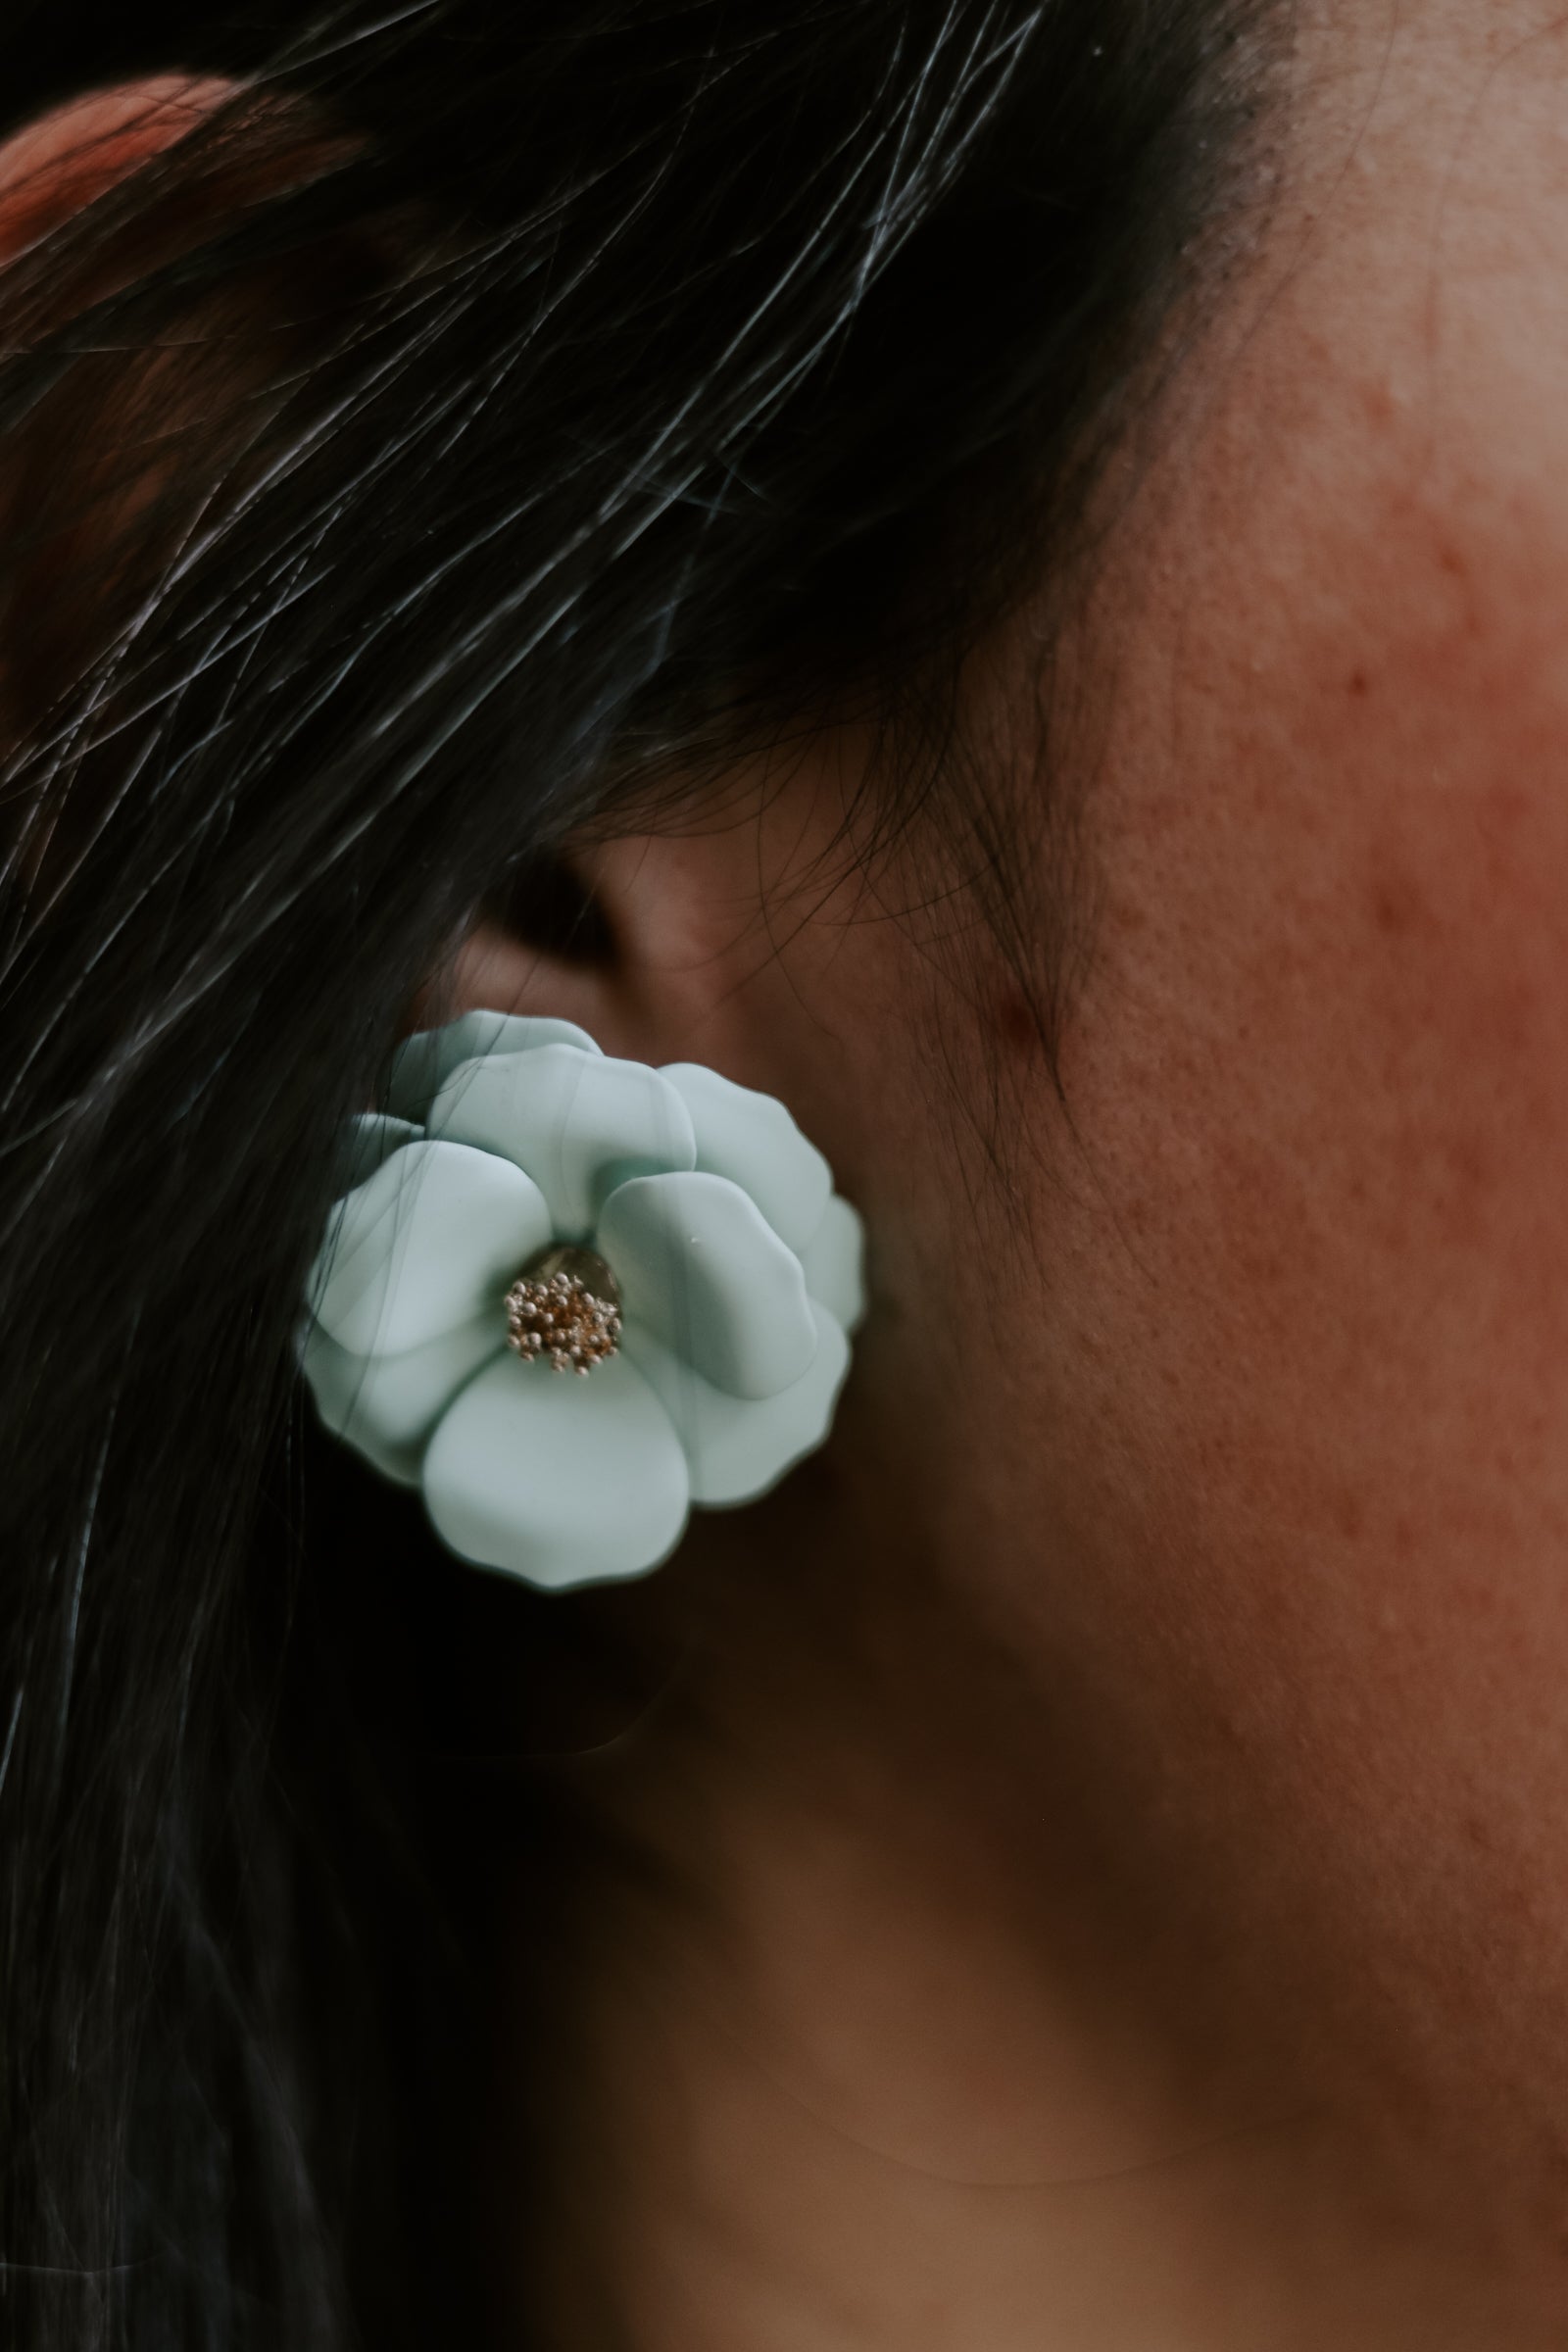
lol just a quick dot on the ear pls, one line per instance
(751, 938)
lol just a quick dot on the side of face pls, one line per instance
(1294, 1408)
(1223, 1393)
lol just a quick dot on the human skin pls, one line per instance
(1098, 1873)
(1095, 1872)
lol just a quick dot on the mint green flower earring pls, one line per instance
(570, 1297)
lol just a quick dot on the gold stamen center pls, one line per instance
(565, 1305)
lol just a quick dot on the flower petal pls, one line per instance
(386, 1405)
(369, 1138)
(834, 1263)
(697, 1262)
(737, 1448)
(423, 1063)
(430, 1240)
(752, 1139)
(578, 1123)
(559, 1480)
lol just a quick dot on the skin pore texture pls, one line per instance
(1094, 1873)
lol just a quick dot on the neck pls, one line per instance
(870, 2022)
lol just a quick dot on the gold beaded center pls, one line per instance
(565, 1305)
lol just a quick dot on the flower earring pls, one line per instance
(570, 1296)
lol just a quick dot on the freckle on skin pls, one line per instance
(1379, 404)
(1016, 1022)
(1359, 683)
(1392, 909)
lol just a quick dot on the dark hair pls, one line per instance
(489, 410)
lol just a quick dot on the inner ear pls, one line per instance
(545, 903)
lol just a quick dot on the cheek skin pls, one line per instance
(1327, 1043)
(1301, 1401)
